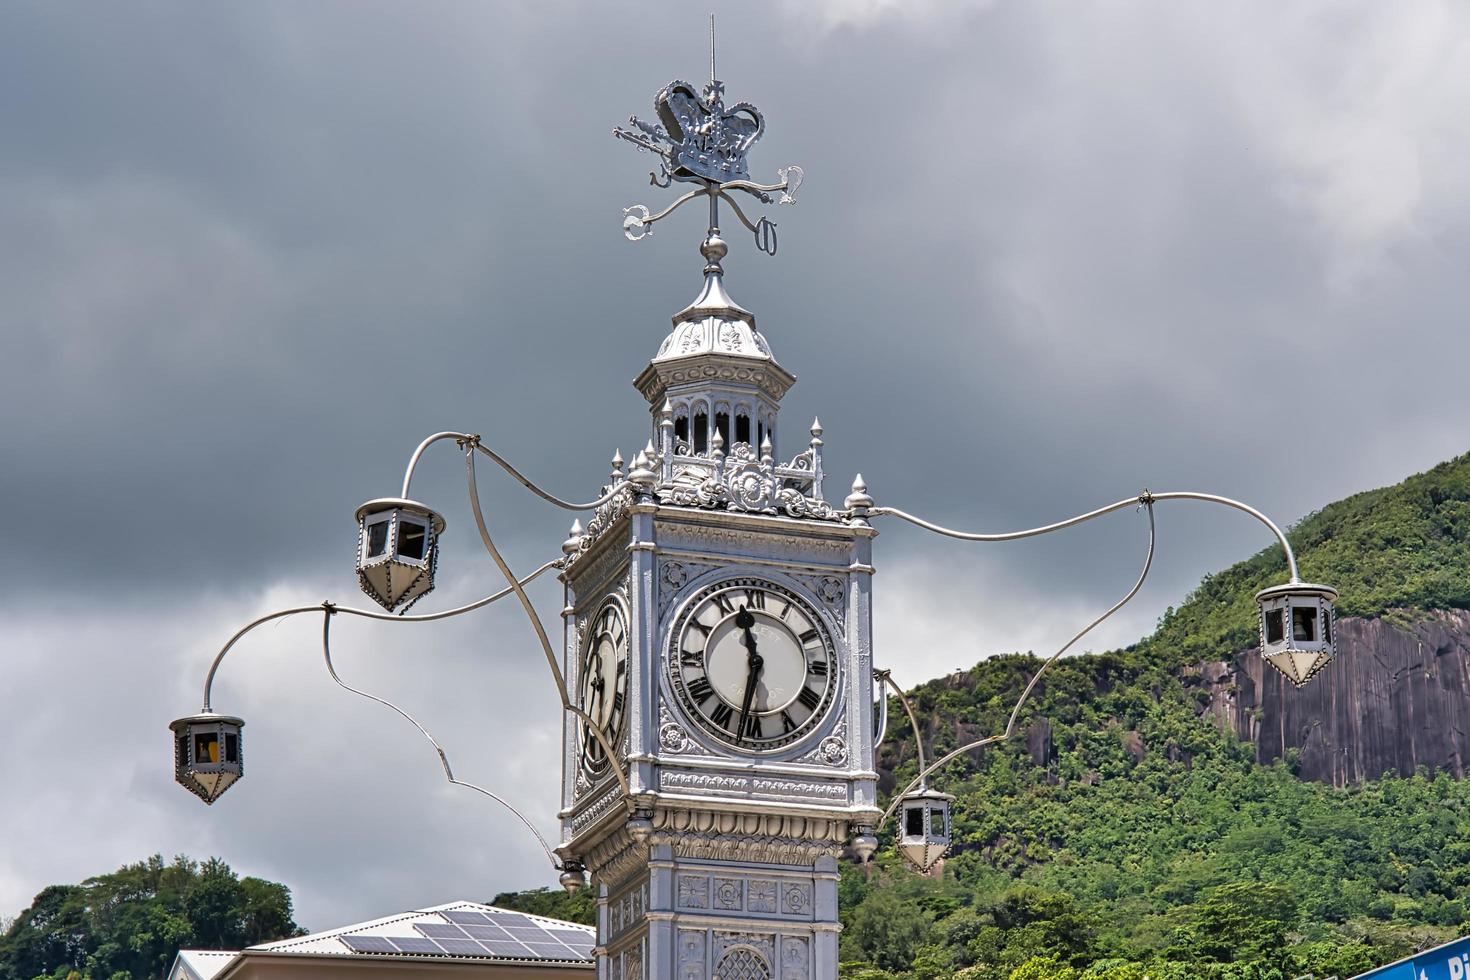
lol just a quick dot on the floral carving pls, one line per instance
(761, 896)
(674, 575)
(673, 738)
(832, 751)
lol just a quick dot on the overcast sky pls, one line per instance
(1046, 254)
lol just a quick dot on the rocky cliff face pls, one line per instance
(1396, 698)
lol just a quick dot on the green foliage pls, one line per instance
(1151, 844)
(1387, 550)
(580, 907)
(130, 923)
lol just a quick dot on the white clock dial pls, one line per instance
(753, 664)
(604, 687)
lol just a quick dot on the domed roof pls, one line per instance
(714, 339)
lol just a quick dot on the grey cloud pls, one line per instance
(1045, 255)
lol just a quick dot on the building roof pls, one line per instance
(457, 931)
(200, 964)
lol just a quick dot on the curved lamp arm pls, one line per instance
(468, 439)
(365, 613)
(327, 611)
(561, 684)
(880, 730)
(1146, 497)
(886, 676)
(1010, 728)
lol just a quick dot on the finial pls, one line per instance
(617, 465)
(766, 450)
(573, 543)
(667, 411)
(642, 473)
(717, 444)
(858, 501)
(816, 428)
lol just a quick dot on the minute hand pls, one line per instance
(755, 663)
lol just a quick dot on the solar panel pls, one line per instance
(408, 944)
(572, 937)
(435, 930)
(467, 918)
(552, 950)
(512, 919)
(505, 948)
(516, 927)
(462, 947)
(487, 932)
(368, 944)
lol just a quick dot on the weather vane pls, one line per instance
(704, 142)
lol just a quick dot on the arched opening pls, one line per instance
(701, 433)
(742, 430)
(722, 426)
(681, 429)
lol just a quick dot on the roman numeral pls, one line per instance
(691, 658)
(752, 727)
(617, 702)
(618, 640)
(701, 627)
(817, 668)
(722, 714)
(809, 698)
(810, 637)
(723, 602)
(785, 609)
(755, 599)
(700, 690)
(787, 725)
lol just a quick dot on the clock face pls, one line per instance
(604, 682)
(753, 664)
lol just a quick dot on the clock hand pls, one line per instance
(755, 663)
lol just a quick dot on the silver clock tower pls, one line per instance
(718, 629)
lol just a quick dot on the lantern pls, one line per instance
(208, 754)
(924, 834)
(1297, 628)
(397, 551)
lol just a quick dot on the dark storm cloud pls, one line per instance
(1045, 255)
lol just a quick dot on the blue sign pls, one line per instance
(1448, 962)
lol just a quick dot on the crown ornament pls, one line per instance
(701, 141)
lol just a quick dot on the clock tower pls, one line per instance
(718, 627)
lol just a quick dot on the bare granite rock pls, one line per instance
(1396, 698)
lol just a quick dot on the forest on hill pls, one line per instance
(1150, 843)
(128, 924)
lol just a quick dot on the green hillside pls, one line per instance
(1151, 842)
(1404, 546)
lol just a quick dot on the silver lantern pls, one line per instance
(397, 551)
(1297, 629)
(924, 831)
(208, 754)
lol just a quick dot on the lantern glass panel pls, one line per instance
(1304, 624)
(183, 759)
(232, 747)
(412, 537)
(206, 747)
(377, 539)
(1275, 626)
(914, 822)
(1327, 628)
(936, 822)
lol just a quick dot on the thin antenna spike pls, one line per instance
(712, 75)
